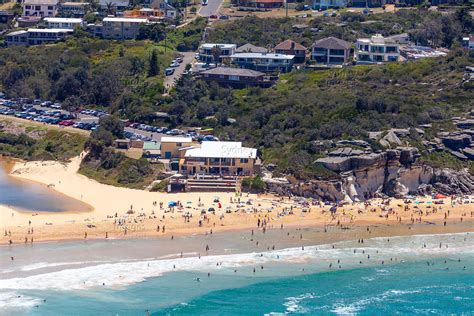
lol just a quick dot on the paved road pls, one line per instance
(178, 71)
(211, 8)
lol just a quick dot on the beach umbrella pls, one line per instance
(439, 196)
(172, 203)
(189, 202)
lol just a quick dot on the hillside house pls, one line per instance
(376, 49)
(208, 52)
(64, 23)
(235, 77)
(330, 51)
(264, 62)
(290, 47)
(40, 8)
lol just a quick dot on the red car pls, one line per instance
(66, 123)
(213, 16)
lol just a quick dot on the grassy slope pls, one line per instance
(40, 143)
(120, 174)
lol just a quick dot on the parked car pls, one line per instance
(224, 17)
(174, 65)
(169, 71)
(213, 16)
(66, 123)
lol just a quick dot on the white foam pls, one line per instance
(293, 304)
(12, 301)
(124, 273)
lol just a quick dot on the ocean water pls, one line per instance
(423, 274)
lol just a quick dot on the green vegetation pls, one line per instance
(423, 25)
(186, 38)
(160, 186)
(116, 169)
(446, 160)
(253, 184)
(284, 121)
(105, 165)
(84, 71)
(35, 143)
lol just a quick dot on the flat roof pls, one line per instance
(64, 20)
(262, 55)
(176, 139)
(28, 2)
(133, 20)
(50, 31)
(75, 3)
(221, 150)
(233, 72)
(151, 145)
(212, 45)
(17, 33)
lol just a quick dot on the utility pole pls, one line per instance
(286, 4)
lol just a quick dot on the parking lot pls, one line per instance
(47, 112)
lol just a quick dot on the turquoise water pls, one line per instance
(417, 277)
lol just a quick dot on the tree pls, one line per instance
(193, 10)
(112, 125)
(216, 52)
(154, 69)
(110, 8)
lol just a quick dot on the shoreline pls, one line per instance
(110, 211)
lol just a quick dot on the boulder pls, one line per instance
(456, 142)
(395, 189)
(465, 124)
(338, 164)
(469, 152)
(408, 155)
(390, 139)
(370, 160)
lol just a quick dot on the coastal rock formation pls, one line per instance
(394, 173)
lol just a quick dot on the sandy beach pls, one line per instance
(127, 213)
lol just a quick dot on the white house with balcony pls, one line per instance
(40, 8)
(119, 28)
(376, 49)
(64, 23)
(36, 36)
(207, 52)
(264, 62)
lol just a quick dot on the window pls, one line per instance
(179, 144)
(244, 160)
(50, 7)
(392, 49)
(236, 78)
(320, 50)
(339, 52)
(28, 7)
(37, 7)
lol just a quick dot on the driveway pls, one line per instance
(178, 71)
(211, 8)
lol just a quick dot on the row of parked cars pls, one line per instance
(174, 64)
(96, 113)
(164, 130)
